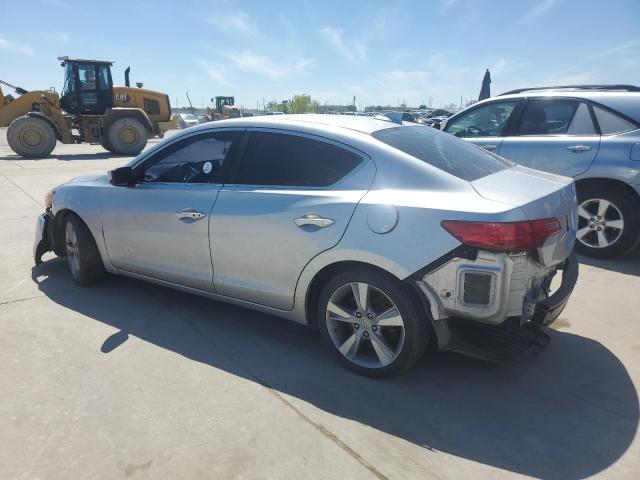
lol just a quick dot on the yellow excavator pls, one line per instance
(89, 109)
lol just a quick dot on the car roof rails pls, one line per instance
(602, 88)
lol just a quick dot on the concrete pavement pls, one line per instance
(127, 379)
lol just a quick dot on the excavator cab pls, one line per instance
(88, 87)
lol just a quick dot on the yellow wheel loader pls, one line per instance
(225, 109)
(89, 109)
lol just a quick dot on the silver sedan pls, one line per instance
(385, 237)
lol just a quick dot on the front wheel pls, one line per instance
(371, 323)
(607, 222)
(31, 137)
(83, 257)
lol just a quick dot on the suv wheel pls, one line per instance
(607, 222)
(371, 323)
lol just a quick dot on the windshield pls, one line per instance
(443, 151)
(188, 116)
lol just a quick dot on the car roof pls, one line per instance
(627, 103)
(355, 123)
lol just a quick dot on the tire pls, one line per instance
(83, 257)
(104, 141)
(404, 337)
(127, 136)
(610, 235)
(31, 137)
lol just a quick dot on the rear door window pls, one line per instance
(290, 160)
(611, 123)
(454, 156)
(546, 117)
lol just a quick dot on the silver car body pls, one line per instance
(249, 250)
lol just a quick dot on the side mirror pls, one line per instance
(121, 177)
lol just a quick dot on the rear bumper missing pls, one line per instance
(506, 312)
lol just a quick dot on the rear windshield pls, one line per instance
(443, 151)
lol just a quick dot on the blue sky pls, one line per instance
(381, 52)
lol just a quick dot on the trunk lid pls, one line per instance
(539, 195)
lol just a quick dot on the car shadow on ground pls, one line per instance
(566, 414)
(628, 265)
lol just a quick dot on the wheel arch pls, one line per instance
(610, 183)
(320, 278)
(117, 113)
(47, 119)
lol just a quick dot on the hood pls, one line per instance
(89, 178)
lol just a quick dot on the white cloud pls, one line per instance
(239, 22)
(62, 37)
(17, 48)
(249, 61)
(542, 7)
(214, 70)
(358, 51)
(503, 66)
(624, 48)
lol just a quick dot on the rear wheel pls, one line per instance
(607, 222)
(106, 144)
(371, 323)
(83, 257)
(127, 136)
(31, 137)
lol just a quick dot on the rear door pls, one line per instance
(291, 198)
(486, 124)
(555, 135)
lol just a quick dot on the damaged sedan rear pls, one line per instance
(384, 237)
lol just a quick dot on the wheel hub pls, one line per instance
(600, 223)
(32, 137)
(365, 325)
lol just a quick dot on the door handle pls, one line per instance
(191, 214)
(313, 219)
(491, 148)
(579, 148)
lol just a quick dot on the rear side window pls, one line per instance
(291, 160)
(611, 123)
(546, 117)
(452, 155)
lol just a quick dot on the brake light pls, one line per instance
(503, 236)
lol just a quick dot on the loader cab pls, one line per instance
(222, 101)
(88, 87)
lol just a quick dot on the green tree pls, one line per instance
(422, 106)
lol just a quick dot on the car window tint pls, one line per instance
(454, 156)
(611, 123)
(547, 117)
(194, 160)
(290, 160)
(485, 121)
(581, 124)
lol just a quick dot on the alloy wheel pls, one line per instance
(600, 223)
(73, 253)
(365, 325)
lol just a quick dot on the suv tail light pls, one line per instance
(503, 236)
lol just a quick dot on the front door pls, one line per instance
(553, 135)
(484, 125)
(291, 199)
(160, 227)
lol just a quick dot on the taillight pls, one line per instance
(503, 236)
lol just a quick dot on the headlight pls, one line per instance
(48, 199)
